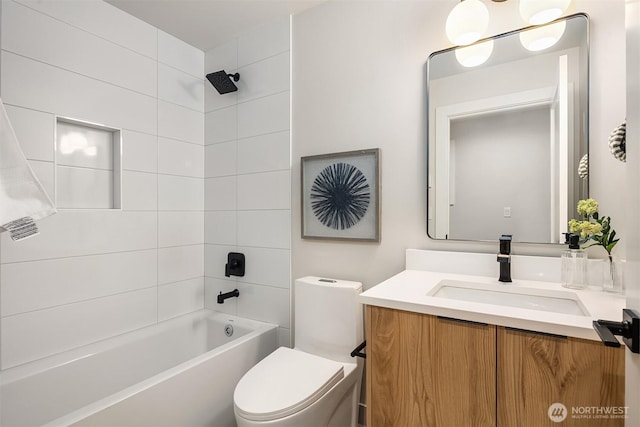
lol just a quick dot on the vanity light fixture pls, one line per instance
(538, 12)
(474, 55)
(540, 38)
(467, 22)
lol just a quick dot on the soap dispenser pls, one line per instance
(574, 264)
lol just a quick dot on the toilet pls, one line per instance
(317, 383)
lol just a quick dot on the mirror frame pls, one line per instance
(539, 93)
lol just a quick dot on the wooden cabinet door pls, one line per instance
(536, 371)
(428, 371)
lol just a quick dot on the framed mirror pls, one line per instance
(508, 134)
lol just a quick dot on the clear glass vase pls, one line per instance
(613, 275)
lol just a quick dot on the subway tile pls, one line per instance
(213, 100)
(267, 190)
(84, 232)
(23, 85)
(139, 151)
(212, 288)
(104, 20)
(180, 123)
(180, 228)
(264, 303)
(180, 263)
(36, 285)
(220, 193)
(40, 37)
(264, 153)
(45, 174)
(266, 77)
(221, 125)
(179, 193)
(81, 188)
(178, 54)
(263, 115)
(220, 159)
(180, 298)
(35, 132)
(264, 41)
(215, 257)
(266, 266)
(180, 158)
(220, 227)
(139, 191)
(30, 336)
(267, 229)
(180, 88)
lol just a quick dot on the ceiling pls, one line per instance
(209, 23)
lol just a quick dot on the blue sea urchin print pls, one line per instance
(340, 196)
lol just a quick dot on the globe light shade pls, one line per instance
(467, 22)
(474, 55)
(538, 12)
(541, 38)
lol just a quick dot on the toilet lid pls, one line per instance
(283, 383)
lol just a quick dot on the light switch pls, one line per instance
(507, 212)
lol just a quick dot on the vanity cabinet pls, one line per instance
(429, 371)
(425, 370)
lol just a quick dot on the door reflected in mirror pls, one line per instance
(507, 130)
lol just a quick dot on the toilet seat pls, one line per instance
(283, 383)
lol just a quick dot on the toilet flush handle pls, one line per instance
(356, 351)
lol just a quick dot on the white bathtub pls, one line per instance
(181, 372)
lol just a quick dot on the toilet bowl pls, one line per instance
(317, 383)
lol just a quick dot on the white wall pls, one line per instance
(247, 170)
(92, 274)
(359, 82)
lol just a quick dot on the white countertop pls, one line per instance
(408, 291)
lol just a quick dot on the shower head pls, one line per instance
(222, 81)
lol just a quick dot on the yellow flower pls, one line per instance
(587, 207)
(575, 226)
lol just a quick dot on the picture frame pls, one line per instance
(341, 196)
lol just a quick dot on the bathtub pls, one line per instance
(181, 372)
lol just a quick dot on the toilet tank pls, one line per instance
(328, 317)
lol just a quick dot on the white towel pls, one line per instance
(22, 198)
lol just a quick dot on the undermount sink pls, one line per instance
(563, 302)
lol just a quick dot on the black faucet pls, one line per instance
(504, 258)
(222, 297)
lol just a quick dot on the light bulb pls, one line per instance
(467, 22)
(537, 12)
(541, 38)
(474, 55)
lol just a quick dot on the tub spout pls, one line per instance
(222, 297)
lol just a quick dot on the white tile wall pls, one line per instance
(81, 188)
(178, 54)
(177, 122)
(180, 298)
(220, 159)
(91, 274)
(180, 193)
(99, 18)
(74, 95)
(34, 130)
(35, 285)
(270, 152)
(247, 170)
(180, 158)
(264, 115)
(179, 263)
(139, 191)
(73, 49)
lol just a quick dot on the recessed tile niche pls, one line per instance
(88, 165)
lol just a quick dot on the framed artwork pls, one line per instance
(340, 196)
